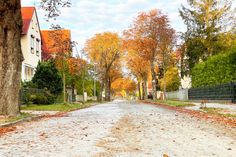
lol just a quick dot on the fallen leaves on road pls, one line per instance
(43, 136)
(165, 155)
(4, 130)
(200, 115)
(121, 138)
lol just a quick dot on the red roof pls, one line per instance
(27, 14)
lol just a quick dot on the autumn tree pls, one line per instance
(114, 74)
(105, 50)
(155, 37)
(210, 25)
(166, 45)
(76, 67)
(123, 86)
(57, 46)
(10, 51)
(136, 63)
(172, 81)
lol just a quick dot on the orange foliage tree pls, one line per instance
(57, 45)
(123, 84)
(137, 65)
(105, 50)
(153, 38)
(75, 69)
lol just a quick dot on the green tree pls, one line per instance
(47, 76)
(209, 26)
(88, 79)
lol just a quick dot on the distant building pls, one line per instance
(56, 42)
(186, 81)
(30, 42)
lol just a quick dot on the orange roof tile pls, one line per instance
(27, 14)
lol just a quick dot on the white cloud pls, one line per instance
(87, 17)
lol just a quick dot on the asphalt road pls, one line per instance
(120, 128)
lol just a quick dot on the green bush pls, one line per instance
(42, 99)
(39, 99)
(218, 69)
(37, 96)
(26, 98)
(47, 76)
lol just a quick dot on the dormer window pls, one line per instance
(32, 43)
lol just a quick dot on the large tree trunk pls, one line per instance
(139, 91)
(154, 81)
(164, 79)
(107, 90)
(145, 88)
(10, 56)
(64, 87)
(73, 91)
(101, 90)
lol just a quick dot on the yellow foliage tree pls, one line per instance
(104, 49)
(172, 80)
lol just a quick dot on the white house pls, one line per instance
(30, 42)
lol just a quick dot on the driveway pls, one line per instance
(120, 128)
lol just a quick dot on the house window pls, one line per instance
(29, 73)
(26, 72)
(32, 43)
(32, 24)
(37, 46)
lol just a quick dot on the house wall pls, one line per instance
(186, 82)
(31, 56)
(181, 94)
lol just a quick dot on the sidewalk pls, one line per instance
(213, 112)
(226, 108)
(41, 113)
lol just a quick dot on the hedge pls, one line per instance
(218, 69)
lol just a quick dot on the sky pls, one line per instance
(85, 18)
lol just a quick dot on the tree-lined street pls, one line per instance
(117, 78)
(120, 128)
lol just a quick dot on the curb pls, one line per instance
(27, 119)
(197, 114)
(34, 118)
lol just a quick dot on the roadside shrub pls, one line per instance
(50, 98)
(42, 99)
(47, 76)
(26, 98)
(39, 99)
(218, 69)
(37, 96)
(28, 84)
